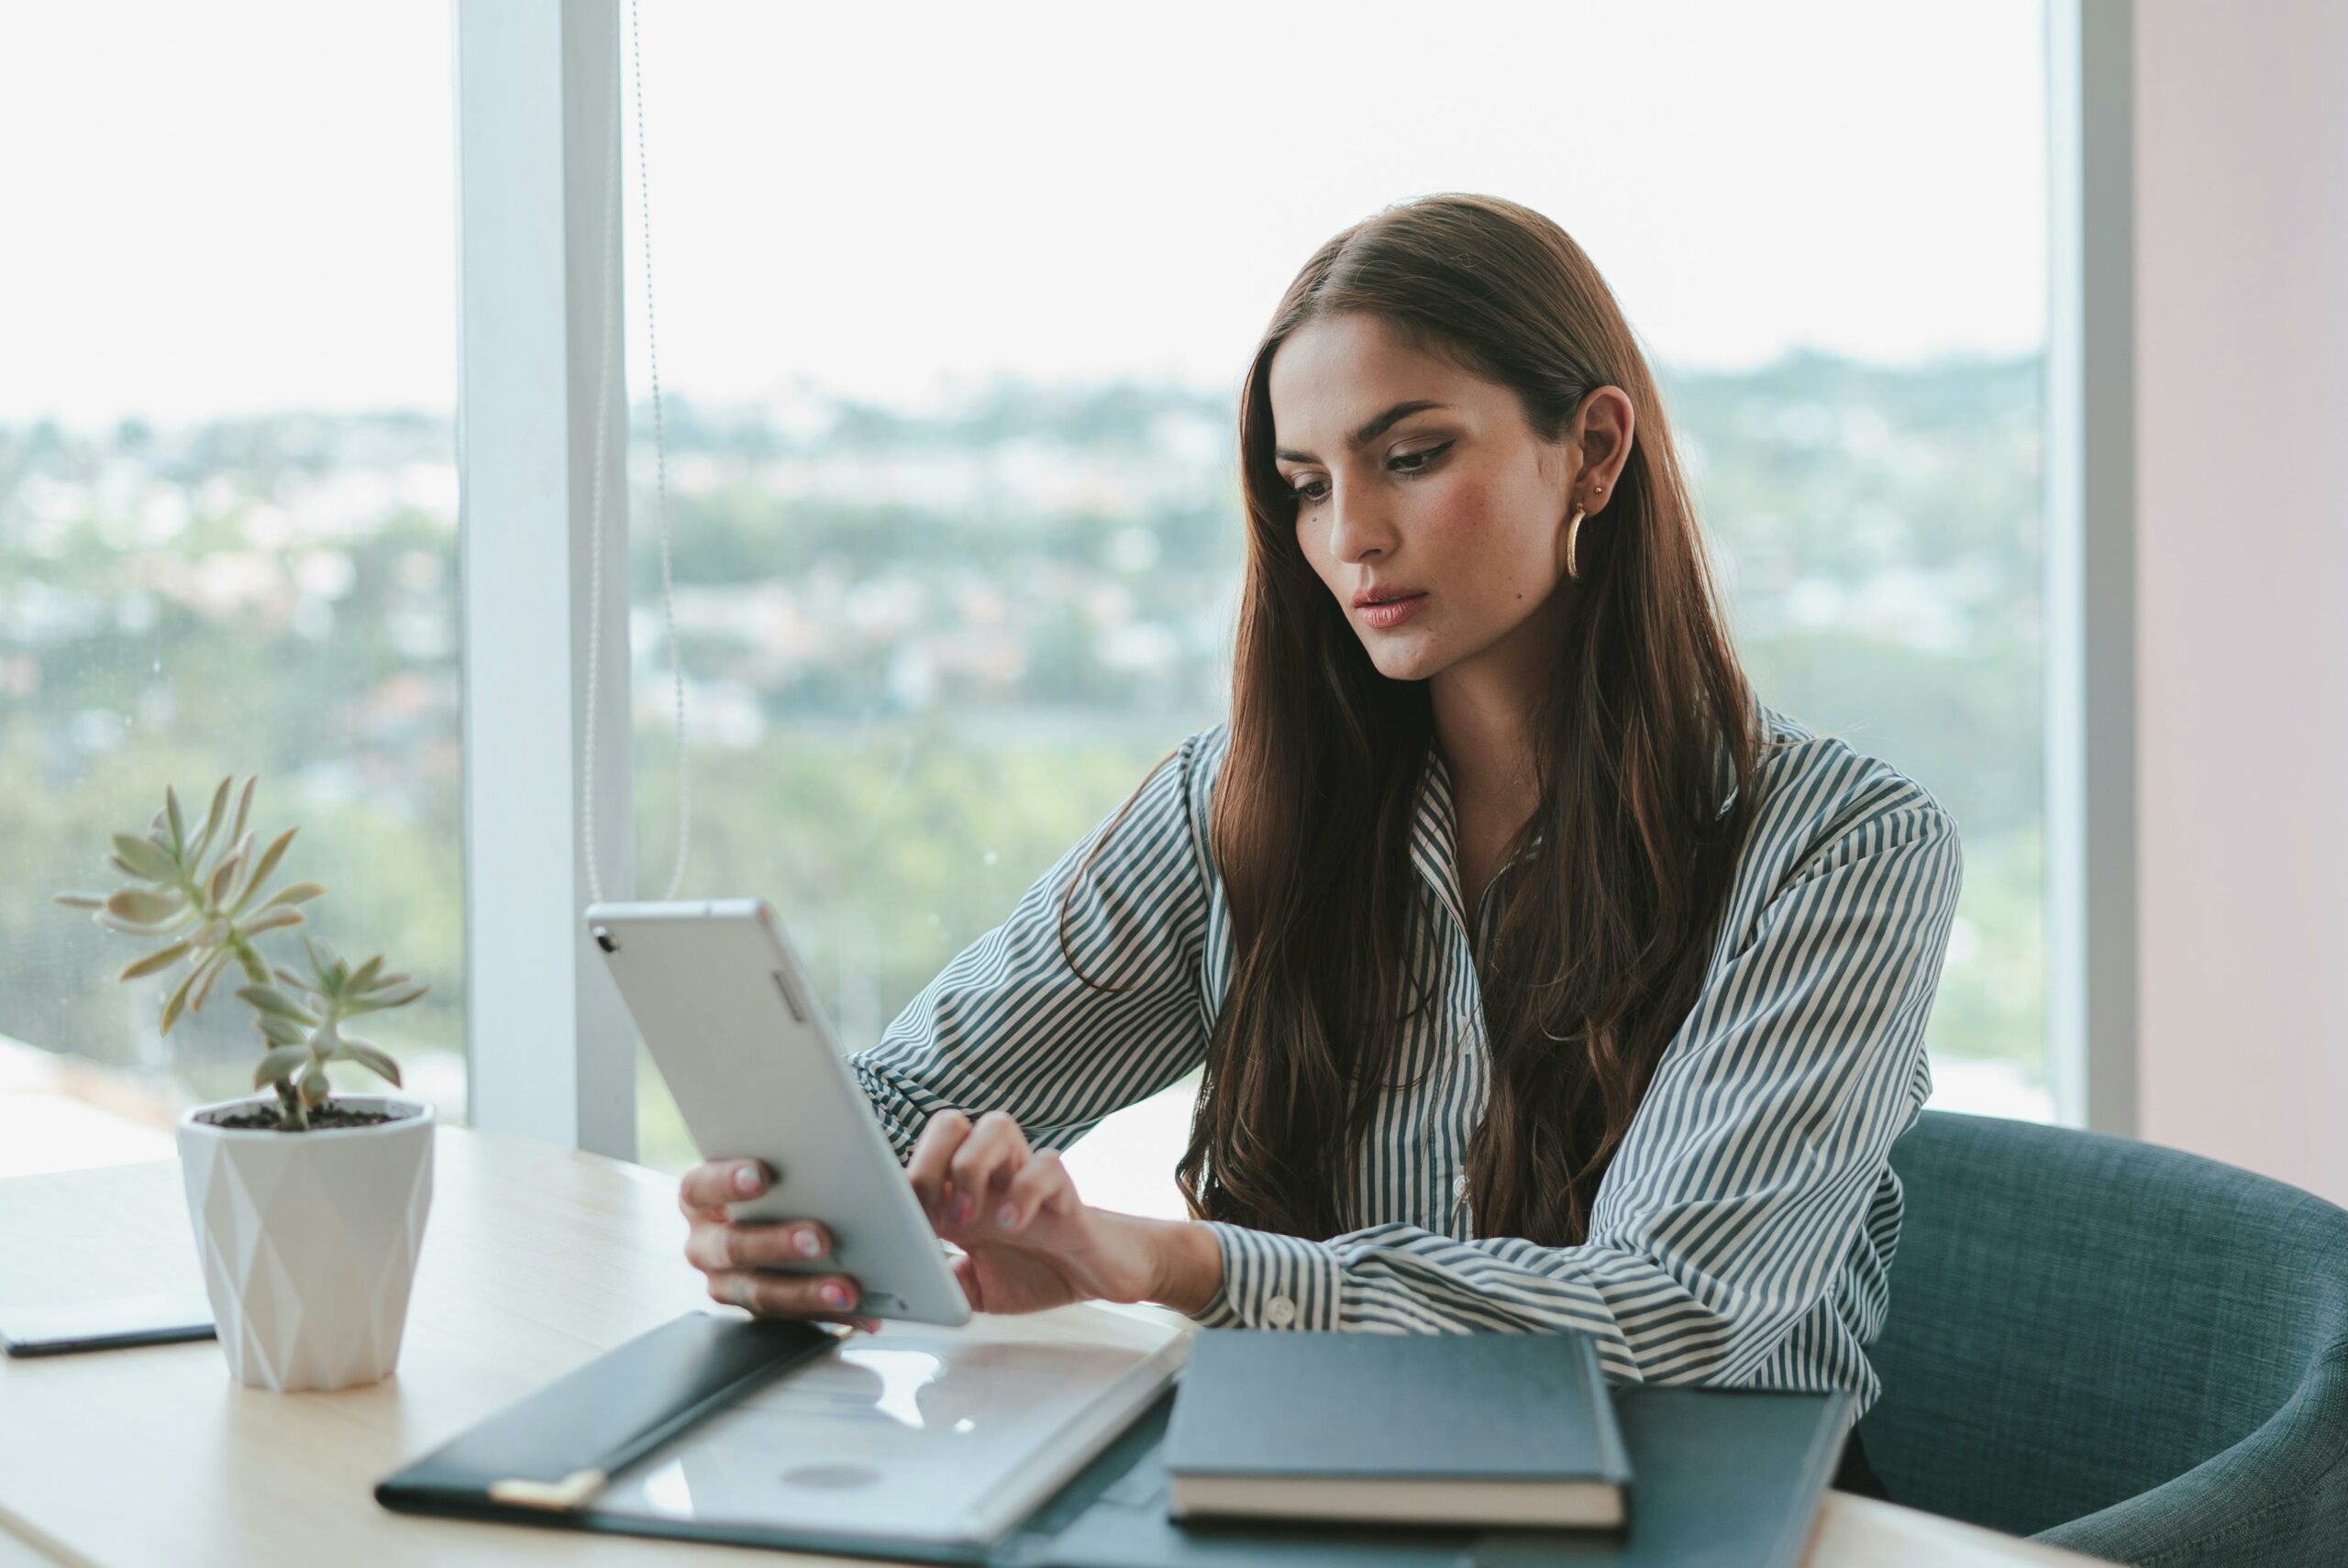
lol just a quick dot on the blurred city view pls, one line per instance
(923, 653)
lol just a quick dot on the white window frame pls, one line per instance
(2090, 588)
(551, 1049)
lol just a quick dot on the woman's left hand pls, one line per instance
(1031, 1242)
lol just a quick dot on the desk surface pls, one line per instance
(536, 1259)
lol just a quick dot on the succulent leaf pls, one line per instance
(273, 920)
(172, 810)
(177, 1002)
(154, 961)
(164, 927)
(223, 879)
(144, 857)
(211, 823)
(283, 1031)
(400, 996)
(370, 1056)
(244, 805)
(292, 893)
(269, 998)
(210, 970)
(143, 907)
(277, 1062)
(263, 867)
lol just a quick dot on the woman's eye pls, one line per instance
(1422, 458)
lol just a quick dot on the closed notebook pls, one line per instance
(1482, 1429)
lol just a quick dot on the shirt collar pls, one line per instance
(1434, 833)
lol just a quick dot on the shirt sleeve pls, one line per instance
(1743, 1179)
(1009, 1026)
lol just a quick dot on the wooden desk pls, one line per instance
(536, 1259)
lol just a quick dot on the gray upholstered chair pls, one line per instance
(2134, 1353)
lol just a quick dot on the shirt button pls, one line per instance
(1280, 1311)
(1459, 1185)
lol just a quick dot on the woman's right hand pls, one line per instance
(733, 1254)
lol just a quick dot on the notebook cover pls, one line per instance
(1724, 1478)
(599, 1418)
(1452, 1407)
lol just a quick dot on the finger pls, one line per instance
(966, 1274)
(746, 1245)
(831, 1295)
(1042, 1183)
(716, 1183)
(989, 1157)
(940, 1136)
(716, 1216)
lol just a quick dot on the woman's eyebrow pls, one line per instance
(1369, 432)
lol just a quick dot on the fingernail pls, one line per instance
(808, 1243)
(1004, 1215)
(835, 1296)
(747, 1180)
(963, 1204)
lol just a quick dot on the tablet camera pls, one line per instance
(603, 939)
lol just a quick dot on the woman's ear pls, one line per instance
(1604, 430)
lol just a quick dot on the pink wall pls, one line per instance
(2242, 313)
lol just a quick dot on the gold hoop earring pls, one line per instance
(1572, 528)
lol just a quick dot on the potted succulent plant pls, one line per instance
(308, 1206)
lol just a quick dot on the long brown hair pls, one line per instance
(1599, 945)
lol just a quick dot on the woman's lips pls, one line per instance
(1390, 614)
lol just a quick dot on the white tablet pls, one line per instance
(724, 1007)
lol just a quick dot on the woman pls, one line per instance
(1541, 977)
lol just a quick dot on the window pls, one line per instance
(949, 410)
(949, 406)
(227, 526)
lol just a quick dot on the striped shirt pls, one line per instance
(1743, 1232)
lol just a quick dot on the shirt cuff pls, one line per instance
(901, 1119)
(1271, 1281)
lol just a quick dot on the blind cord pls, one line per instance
(611, 250)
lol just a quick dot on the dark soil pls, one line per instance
(265, 1119)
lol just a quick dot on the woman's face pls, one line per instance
(1455, 516)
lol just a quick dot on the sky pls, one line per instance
(248, 206)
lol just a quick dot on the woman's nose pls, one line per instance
(1356, 532)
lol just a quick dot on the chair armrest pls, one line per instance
(2279, 1496)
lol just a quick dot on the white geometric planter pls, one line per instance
(309, 1240)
